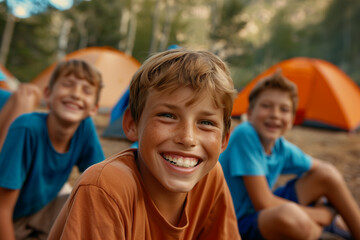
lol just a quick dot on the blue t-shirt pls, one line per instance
(4, 96)
(29, 162)
(245, 156)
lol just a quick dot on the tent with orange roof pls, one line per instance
(327, 96)
(115, 66)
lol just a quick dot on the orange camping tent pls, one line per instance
(115, 66)
(327, 96)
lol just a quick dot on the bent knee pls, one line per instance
(328, 173)
(291, 215)
(288, 220)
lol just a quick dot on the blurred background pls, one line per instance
(249, 35)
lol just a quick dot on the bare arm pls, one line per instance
(7, 203)
(23, 100)
(263, 198)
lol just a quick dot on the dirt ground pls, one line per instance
(340, 148)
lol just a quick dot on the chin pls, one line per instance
(73, 118)
(180, 186)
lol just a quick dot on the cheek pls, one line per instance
(91, 101)
(213, 143)
(153, 132)
(257, 115)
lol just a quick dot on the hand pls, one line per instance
(27, 97)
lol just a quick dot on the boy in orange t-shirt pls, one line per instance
(172, 186)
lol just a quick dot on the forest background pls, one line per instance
(249, 35)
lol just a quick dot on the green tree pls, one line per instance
(32, 47)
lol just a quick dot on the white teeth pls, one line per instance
(181, 162)
(72, 105)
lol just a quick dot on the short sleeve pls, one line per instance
(15, 157)
(245, 153)
(90, 214)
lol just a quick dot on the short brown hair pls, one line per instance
(80, 69)
(166, 71)
(275, 81)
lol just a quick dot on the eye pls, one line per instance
(264, 105)
(88, 90)
(67, 83)
(167, 115)
(207, 123)
(285, 109)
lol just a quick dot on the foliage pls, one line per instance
(26, 55)
(329, 34)
(249, 35)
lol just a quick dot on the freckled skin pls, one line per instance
(169, 126)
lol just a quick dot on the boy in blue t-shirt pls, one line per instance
(41, 149)
(257, 154)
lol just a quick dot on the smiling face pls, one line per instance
(271, 116)
(178, 143)
(71, 99)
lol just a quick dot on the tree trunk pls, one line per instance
(155, 27)
(170, 11)
(84, 36)
(124, 27)
(64, 38)
(6, 39)
(215, 19)
(134, 9)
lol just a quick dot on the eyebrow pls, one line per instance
(175, 107)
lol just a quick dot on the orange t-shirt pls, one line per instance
(110, 202)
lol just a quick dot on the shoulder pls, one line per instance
(86, 127)
(244, 127)
(244, 130)
(244, 139)
(32, 121)
(117, 176)
(283, 145)
(86, 124)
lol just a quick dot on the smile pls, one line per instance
(269, 125)
(72, 105)
(181, 161)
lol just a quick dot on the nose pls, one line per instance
(186, 135)
(76, 91)
(275, 112)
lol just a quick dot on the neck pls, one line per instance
(268, 146)
(60, 134)
(170, 204)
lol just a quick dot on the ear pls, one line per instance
(248, 113)
(47, 94)
(293, 121)
(225, 141)
(129, 126)
(94, 110)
